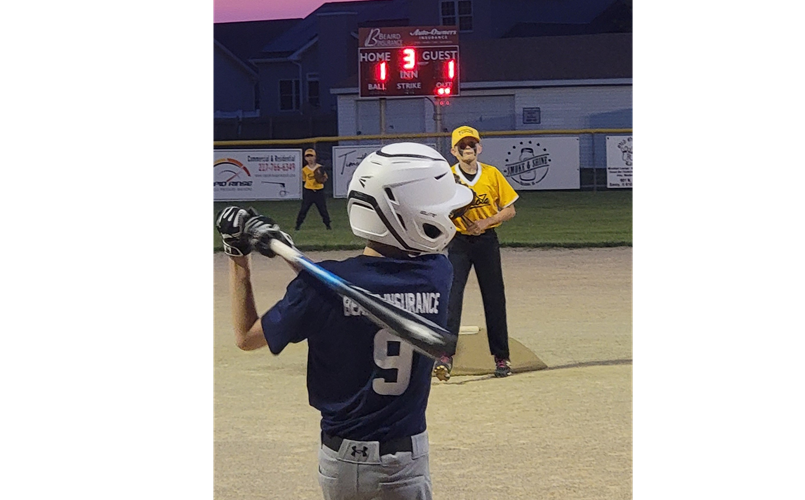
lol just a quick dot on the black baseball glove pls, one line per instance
(260, 230)
(231, 223)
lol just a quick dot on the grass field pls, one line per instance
(571, 219)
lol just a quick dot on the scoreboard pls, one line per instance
(408, 61)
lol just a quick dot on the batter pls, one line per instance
(371, 388)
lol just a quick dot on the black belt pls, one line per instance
(387, 448)
(488, 232)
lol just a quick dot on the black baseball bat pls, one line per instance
(424, 335)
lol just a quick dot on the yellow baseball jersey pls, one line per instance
(310, 179)
(492, 191)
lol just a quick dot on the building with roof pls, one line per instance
(235, 89)
(525, 64)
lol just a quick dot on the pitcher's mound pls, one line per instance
(473, 358)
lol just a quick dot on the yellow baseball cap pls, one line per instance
(465, 131)
(310, 152)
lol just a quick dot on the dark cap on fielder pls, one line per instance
(465, 131)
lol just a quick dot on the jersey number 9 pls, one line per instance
(402, 362)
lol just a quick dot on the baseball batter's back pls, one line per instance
(367, 384)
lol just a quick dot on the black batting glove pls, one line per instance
(231, 223)
(261, 229)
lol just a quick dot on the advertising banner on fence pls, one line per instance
(529, 163)
(345, 160)
(534, 163)
(257, 174)
(619, 161)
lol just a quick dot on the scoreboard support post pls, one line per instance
(437, 117)
(382, 118)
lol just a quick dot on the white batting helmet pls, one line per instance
(402, 195)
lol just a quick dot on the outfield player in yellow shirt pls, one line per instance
(476, 244)
(314, 176)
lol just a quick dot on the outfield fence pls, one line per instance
(579, 159)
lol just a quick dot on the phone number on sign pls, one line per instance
(276, 167)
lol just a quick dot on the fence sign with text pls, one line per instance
(619, 161)
(257, 174)
(534, 163)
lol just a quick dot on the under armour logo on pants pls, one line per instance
(362, 452)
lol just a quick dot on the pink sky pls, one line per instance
(261, 10)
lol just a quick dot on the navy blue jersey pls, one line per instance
(367, 384)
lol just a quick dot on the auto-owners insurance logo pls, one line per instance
(527, 163)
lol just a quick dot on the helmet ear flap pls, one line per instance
(365, 217)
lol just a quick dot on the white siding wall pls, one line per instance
(575, 107)
(403, 116)
(606, 106)
(561, 108)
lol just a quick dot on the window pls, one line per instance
(457, 13)
(289, 95)
(313, 90)
(449, 13)
(465, 15)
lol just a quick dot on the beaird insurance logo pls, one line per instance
(527, 162)
(377, 38)
(230, 174)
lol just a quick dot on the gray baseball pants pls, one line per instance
(357, 471)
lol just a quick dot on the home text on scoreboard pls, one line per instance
(408, 61)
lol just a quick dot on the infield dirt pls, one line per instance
(560, 433)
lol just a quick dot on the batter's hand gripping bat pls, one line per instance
(424, 335)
